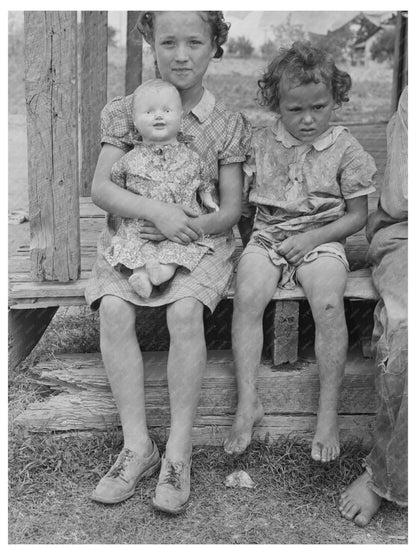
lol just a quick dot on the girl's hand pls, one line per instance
(173, 222)
(149, 232)
(294, 248)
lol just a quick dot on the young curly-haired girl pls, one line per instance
(308, 182)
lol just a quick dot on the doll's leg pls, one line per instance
(159, 273)
(141, 283)
(324, 282)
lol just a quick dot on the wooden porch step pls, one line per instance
(39, 294)
(289, 395)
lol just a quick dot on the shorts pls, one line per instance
(288, 280)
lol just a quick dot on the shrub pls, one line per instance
(383, 47)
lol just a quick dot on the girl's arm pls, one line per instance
(294, 248)
(230, 187)
(175, 222)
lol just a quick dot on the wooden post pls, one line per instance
(400, 60)
(93, 88)
(134, 47)
(52, 128)
(281, 331)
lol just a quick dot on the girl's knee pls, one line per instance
(185, 317)
(116, 312)
(246, 303)
(327, 308)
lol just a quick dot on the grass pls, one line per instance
(52, 474)
(294, 499)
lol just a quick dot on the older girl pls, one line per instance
(183, 44)
(309, 183)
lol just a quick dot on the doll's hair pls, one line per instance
(301, 64)
(219, 28)
(153, 85)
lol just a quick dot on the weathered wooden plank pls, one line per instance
(30, 293)
(134, 51)
(87, 209)
(290, 399)
(93, 91)
(26, 327)
(284, 328)
(209, 431)
(85, 392)
(281, 391)
(52, 126)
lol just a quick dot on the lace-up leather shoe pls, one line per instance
(120, 481)
(174, 487)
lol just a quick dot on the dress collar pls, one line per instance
(322, 142)
(204, 107)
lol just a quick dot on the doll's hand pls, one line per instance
(208, 201)
(294, 248)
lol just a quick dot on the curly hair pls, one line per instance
(299, 65)
(219, 28)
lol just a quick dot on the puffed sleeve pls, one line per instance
(117, 123)
(237, 139)
(357, 171)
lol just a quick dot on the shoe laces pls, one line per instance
(118, 469)
(173, 474)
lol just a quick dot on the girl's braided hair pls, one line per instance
(299, 65)
(219, 28)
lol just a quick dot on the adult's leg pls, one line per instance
(123, 363)
(386, 474)
(324, 281)
(257, 278)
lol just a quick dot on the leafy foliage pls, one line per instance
(287, 33)
(339, 43)
(241, 46)
(383, 47)
(268, 49)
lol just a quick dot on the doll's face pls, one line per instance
(157, 115)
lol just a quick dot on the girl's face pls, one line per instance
(157, 115)
(306, 110)
(183, 48)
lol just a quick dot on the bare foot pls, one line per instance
(325, 444)
(141, 284)
(358, 502)
(248, 414)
